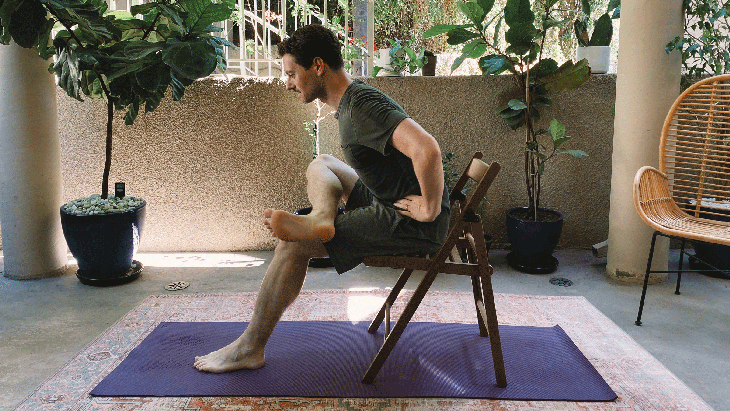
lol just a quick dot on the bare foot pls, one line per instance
(290, 227)
(229, 358)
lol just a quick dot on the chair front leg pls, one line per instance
(402, 280)
(646, 278)
(494, 340)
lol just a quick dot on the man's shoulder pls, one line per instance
(364, 95)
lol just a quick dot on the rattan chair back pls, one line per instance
(695, 148)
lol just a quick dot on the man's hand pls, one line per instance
(416, 207)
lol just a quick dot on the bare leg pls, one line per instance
(281, 285)
(329, 180)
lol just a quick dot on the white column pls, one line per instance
(647, 84)
(30, 167)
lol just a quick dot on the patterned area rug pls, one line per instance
(641, 382)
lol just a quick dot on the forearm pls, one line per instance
(430, 173)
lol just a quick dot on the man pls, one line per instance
(393, 189)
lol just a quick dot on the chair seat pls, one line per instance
(661, 212)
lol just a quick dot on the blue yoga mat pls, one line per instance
(329, 358)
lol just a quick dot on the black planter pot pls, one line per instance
(716, 255)
(104, 245)
(323, 262)
(533, 242)
(429, 69)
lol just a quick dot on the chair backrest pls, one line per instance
(695, 148)
(482, 174)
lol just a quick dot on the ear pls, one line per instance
(319, 66)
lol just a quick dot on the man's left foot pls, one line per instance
(230, 358)
(290, 227)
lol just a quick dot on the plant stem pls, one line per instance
(152, 26)
(71, 32)
(108, 152)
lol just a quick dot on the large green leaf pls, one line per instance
(88, 19)
(173, 14)
(203, 13)
(518, 12)
(190, 59)
(45, 47)
(473, 11)
(515, 104)
(545, 67)
(519, 37)
(7, 8)
(576, 153)
(569, 76)
(178, 86)
(27, 23)
(486, 6)
(141, 49)
(473, 49)
(494, 64)
(132, 113)
(91, 85)
(150, 77)
(443, 28)
(556, 130)
(67, 72)
(460, 35)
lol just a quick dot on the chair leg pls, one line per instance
(646, 278)
(399, 327)
(402, 280)
(494, 340)
(679, 273)
(477, 288)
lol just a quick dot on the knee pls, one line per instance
(322, 160)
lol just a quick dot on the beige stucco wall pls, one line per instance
(209, 164)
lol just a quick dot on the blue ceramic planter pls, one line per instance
(104, 245)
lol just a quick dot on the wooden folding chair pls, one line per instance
(693, 180)
(466, 237)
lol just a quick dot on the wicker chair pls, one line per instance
(692, 185)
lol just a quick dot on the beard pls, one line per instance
(317, 91)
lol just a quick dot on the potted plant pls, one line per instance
(533, 231)
(128, 62)
(397, 58)
(596, 48)
(429, 64)
(704, 44)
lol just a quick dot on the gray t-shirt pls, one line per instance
(367, 118)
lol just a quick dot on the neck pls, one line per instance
(335, 87)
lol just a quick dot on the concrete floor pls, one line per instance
(44, 323)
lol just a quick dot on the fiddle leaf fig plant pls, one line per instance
(129, 60)
(537, 76)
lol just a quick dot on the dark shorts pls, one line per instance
(369, 227)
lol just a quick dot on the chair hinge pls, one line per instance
(471, 217)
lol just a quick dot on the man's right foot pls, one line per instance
(290, 227)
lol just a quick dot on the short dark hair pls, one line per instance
(313, 40)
